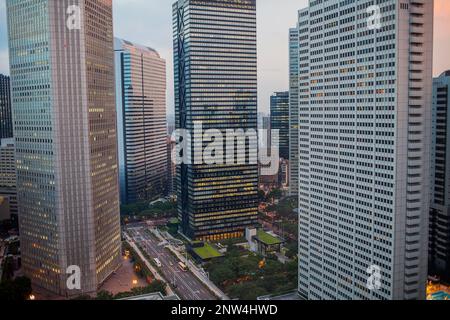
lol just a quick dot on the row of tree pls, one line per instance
(242, 275)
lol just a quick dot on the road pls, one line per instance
(188, 286)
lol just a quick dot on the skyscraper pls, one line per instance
(215, 65)
(293, 111)
(6, 127)
(141, 121)
(364, 131)
(279, 120)
(439, 246)
(62, 84)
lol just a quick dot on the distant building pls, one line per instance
(267, 243)
(170, 124)
(439, 244)
(171, 166)
(6, 125)
(283, 173)
(141, 121)
(8, 191)
(261, 116)
(265, 140)
(279, 120)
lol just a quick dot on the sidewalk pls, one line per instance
(194, 269)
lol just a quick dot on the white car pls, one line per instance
(158, 263)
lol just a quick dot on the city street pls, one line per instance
(187, 285)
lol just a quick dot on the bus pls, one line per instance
(183, 266)
(158, 263)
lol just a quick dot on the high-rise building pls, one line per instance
(279, 120)
(8, 178)
(215, 64)
(439, 245)
(141, 121)
(364, 131)
(293, 111)
(171, 167)
(63, 101)
(6, 126)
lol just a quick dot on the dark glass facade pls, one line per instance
(439, 244)
(6, 127)
(279, 120)
(215, 64)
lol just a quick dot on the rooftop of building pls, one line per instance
(206, 252)
(267, 238)
(122, 44)
(7, 142)
(445, 74)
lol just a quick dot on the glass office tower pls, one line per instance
(364, 150)
(439, 247)
(215, 65)
(141, 122)
(6, 126)
(279, 120)
(62, 85)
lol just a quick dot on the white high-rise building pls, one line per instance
(364, 151)
(293, 111)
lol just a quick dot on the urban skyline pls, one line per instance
(111, 205)
(131, 23)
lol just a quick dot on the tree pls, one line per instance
(275, 194)
(262, 196)
(222, 273)
(105, 295)
(15, 291)
(292, 249)
(247, 291)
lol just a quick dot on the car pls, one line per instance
(158, 263)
